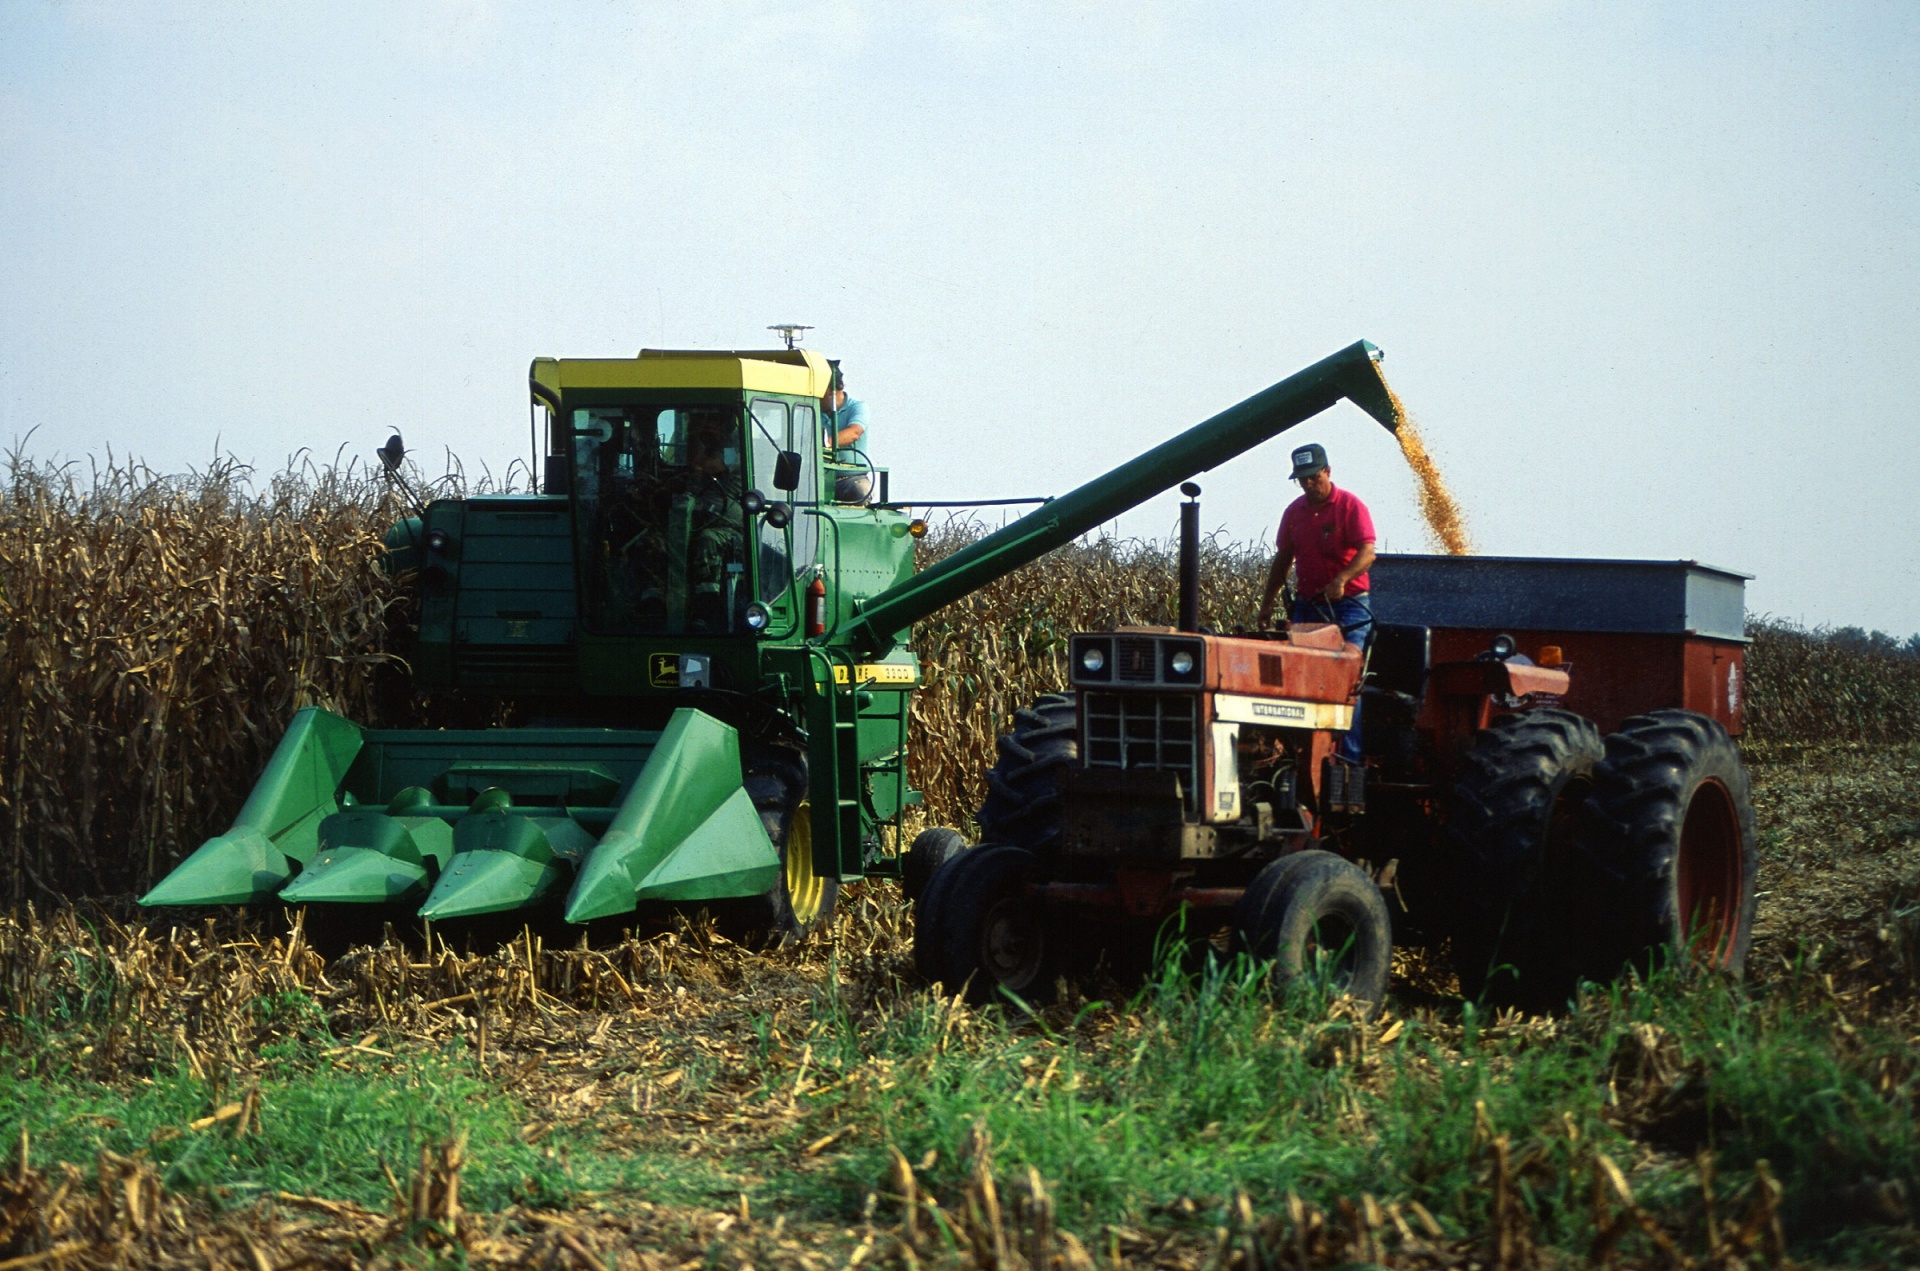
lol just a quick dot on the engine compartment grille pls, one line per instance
(514, 664)
(1145, 730)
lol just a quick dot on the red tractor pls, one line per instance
(1191, 774)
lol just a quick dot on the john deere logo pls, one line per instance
(663, 670)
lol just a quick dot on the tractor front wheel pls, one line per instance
(1666, 846)
(986, 934)
(1316, 915)
(929, 916)
(931, 849)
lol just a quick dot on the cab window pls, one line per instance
(785, 554)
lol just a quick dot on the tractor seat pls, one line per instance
(1316, 635)
(1402, 655)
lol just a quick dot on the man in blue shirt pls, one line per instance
(849, 442)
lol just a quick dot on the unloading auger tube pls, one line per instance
(1352, 373)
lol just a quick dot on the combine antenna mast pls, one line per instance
(791, 332)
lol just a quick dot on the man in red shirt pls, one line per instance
(1326, 535)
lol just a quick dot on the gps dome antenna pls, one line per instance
(791, 332)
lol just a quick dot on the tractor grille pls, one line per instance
(1144, 730)
(1137, 659)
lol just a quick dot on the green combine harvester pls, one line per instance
(708, 651)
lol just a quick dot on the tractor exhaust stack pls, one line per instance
(1190, 558)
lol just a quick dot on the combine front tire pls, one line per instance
(1316, 914)
(1024, 805)
(1666, 843)
(1509, 835)
(799, 900)
(983, 932)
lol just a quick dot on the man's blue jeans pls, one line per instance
(1355, 616)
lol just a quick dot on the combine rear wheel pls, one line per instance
(1314, 914)
(1666, 842)
(979, 932)
(1508, 839)
(799, 900)
(1024, 805)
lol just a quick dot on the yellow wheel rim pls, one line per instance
(805, 889)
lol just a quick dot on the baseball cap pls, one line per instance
(1308, 460)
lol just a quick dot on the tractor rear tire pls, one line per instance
(1667, 848)
(1508, 840)
(800, 900)
(1312, 914)
(1025, 805)
(991, 935)
(931, 849)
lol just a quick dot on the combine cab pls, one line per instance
(648, 617)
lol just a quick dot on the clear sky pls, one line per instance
(1648, 274)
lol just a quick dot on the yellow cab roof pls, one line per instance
(796, 372)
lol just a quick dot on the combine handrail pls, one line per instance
(1351, 373)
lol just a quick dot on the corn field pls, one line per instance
(157, 632)
(155, 635)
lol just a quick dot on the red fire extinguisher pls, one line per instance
(817, 604)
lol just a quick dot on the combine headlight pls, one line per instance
(437, 540)
(1093, 658)
(759, 617)
(1181, 662)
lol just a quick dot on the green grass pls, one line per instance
(1150, 1113)
(1204, 1089)
(322, 1131)
(333, 1129)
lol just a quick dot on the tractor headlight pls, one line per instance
(1092, 659)
(1180, 662)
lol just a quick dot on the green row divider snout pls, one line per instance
(278, 829)
(687, 830)
(368, 856)
(505, 858)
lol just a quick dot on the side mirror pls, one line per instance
(786, 470)
(392, 453)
